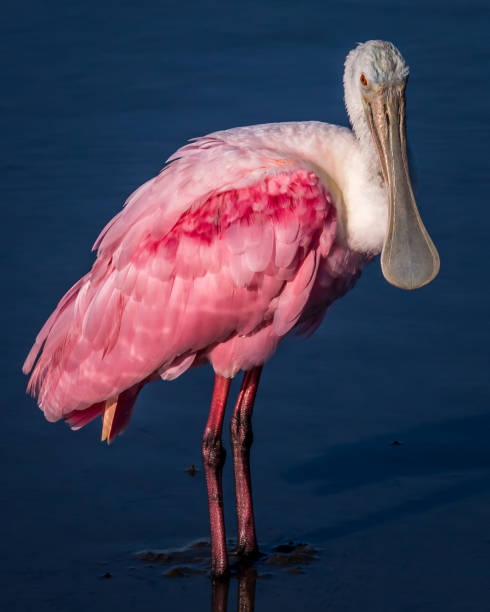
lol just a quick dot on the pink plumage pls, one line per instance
(216, 259)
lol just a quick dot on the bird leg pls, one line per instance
(213, 456)
(241, 441)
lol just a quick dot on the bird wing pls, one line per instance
(221, 243)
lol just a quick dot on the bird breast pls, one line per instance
(348, 172)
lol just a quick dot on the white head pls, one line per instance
(375, 78)
(380, 63)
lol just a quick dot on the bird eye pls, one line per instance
(363, 80)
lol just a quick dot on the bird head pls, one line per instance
(375, 78)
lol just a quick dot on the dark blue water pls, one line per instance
(95, 96)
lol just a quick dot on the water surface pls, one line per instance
(96, 96)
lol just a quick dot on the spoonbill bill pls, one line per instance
(245, 235)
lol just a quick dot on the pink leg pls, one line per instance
(241, 441)
(213, 456)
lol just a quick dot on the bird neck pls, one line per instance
(362, 132)
(368, 150)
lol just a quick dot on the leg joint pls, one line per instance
(213, 452)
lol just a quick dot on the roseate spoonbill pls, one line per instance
(245, 235)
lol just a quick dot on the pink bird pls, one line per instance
(245, 235)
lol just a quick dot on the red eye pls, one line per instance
(363, 80)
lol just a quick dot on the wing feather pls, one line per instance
(183, 268)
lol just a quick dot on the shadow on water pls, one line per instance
(434, 499)
(432, 450)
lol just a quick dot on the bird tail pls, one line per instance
(116, 413)
(79, 418)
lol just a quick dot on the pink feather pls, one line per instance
(208, 261)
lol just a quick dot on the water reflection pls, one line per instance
(219, 594)
(246, 580)
(194, 560)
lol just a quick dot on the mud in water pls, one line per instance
(291, 557)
